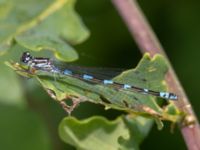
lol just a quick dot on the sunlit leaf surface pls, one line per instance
(99, 133)
(39, 25)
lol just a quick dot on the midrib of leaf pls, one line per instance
(58, 4)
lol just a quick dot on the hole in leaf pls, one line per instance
(104, 100)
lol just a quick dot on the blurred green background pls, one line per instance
(176, 24)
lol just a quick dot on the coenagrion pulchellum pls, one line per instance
(45, 64)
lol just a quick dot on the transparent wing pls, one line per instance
(100, 73)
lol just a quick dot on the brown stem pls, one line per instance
(148, 42)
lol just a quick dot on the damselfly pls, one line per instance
(45, 64)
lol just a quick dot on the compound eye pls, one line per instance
(25, 57)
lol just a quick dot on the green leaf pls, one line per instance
(99, 133)
(149, 74)
(39, 25)
(10, 89)
(11, 92)
(22, 129)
